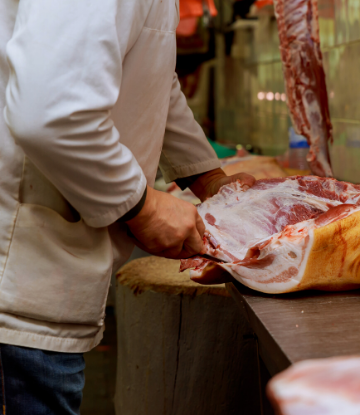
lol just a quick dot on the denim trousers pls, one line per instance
(38, 382)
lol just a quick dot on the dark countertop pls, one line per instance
(303, 325)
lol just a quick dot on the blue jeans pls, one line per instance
(37, 382)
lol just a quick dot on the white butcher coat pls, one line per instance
(91, 106)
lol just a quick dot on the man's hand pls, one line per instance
(172, 228)
(167, 226)
(208, 184)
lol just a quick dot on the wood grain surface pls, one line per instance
(162, 275)
(183, 349)
(298, 326)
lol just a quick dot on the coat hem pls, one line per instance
(50, 343)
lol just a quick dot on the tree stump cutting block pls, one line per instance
(183, 348)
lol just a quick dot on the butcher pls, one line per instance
(91, 107)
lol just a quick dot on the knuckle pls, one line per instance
(189, 227)
(187, 224)
(167, 245)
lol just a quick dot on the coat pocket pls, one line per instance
(56, 271)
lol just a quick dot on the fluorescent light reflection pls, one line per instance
(270, 96)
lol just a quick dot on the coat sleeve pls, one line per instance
(65, 76)
(186, 151)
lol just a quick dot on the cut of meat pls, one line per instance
(321, 386)
(305, 78)
(282, 235)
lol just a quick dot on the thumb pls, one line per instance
(244, 178)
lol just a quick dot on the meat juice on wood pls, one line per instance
(305, 78)
(263, 236)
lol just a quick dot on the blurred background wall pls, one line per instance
(235, 85)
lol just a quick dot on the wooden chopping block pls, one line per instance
(183, 349)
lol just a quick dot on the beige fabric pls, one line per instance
(90, 96)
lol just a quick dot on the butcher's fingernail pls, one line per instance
(246, 187)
